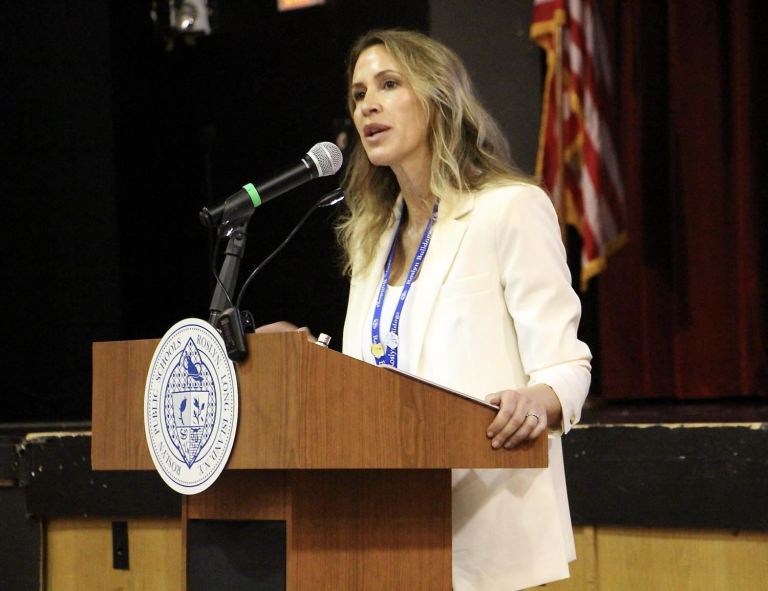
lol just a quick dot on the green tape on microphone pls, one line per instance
(254, 194)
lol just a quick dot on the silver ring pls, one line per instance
(532, 414)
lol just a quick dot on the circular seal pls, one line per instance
(190, 406)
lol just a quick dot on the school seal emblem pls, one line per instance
(190, 406)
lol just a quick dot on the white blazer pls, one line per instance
(495, 310)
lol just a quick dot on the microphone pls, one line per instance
(323, 159)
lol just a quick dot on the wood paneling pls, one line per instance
(346, 529)
(243, 494)
(78, 556)
(78, 552)
(611, 558)
(681, 560)
(119, 373)
(379, 530)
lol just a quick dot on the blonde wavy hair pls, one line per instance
(469, 151)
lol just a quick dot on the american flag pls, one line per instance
(577, 159)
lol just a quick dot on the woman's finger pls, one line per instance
(533, 424)
(507, 402)
(515, 428)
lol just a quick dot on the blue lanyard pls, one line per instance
(386, 353)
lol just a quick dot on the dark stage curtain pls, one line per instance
(682, 311)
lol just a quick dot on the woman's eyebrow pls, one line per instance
(378, 75)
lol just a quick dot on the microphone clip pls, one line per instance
(236, 211)
(233, 324)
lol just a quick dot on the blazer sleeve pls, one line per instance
(544, 308)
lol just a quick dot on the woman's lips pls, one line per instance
(373, 129)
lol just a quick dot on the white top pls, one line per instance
(391, 297)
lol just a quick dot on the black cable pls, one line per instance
(331, 198)
(214, 256)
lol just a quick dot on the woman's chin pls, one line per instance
(376, 158)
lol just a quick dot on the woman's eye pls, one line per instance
(390, 84)
(358, 95)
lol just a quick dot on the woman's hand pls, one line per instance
(283, 326)
(523, 414)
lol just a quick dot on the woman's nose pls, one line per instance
(370, 106)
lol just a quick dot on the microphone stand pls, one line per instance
(224, 315)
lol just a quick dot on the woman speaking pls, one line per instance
(458, 276)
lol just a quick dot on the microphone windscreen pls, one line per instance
(327, 158)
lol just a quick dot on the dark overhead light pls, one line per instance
(185, 19)
(190, 17)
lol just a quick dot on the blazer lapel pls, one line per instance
(446, 238)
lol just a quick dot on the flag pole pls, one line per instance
(560, 177)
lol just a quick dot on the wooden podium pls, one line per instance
(354, 458)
